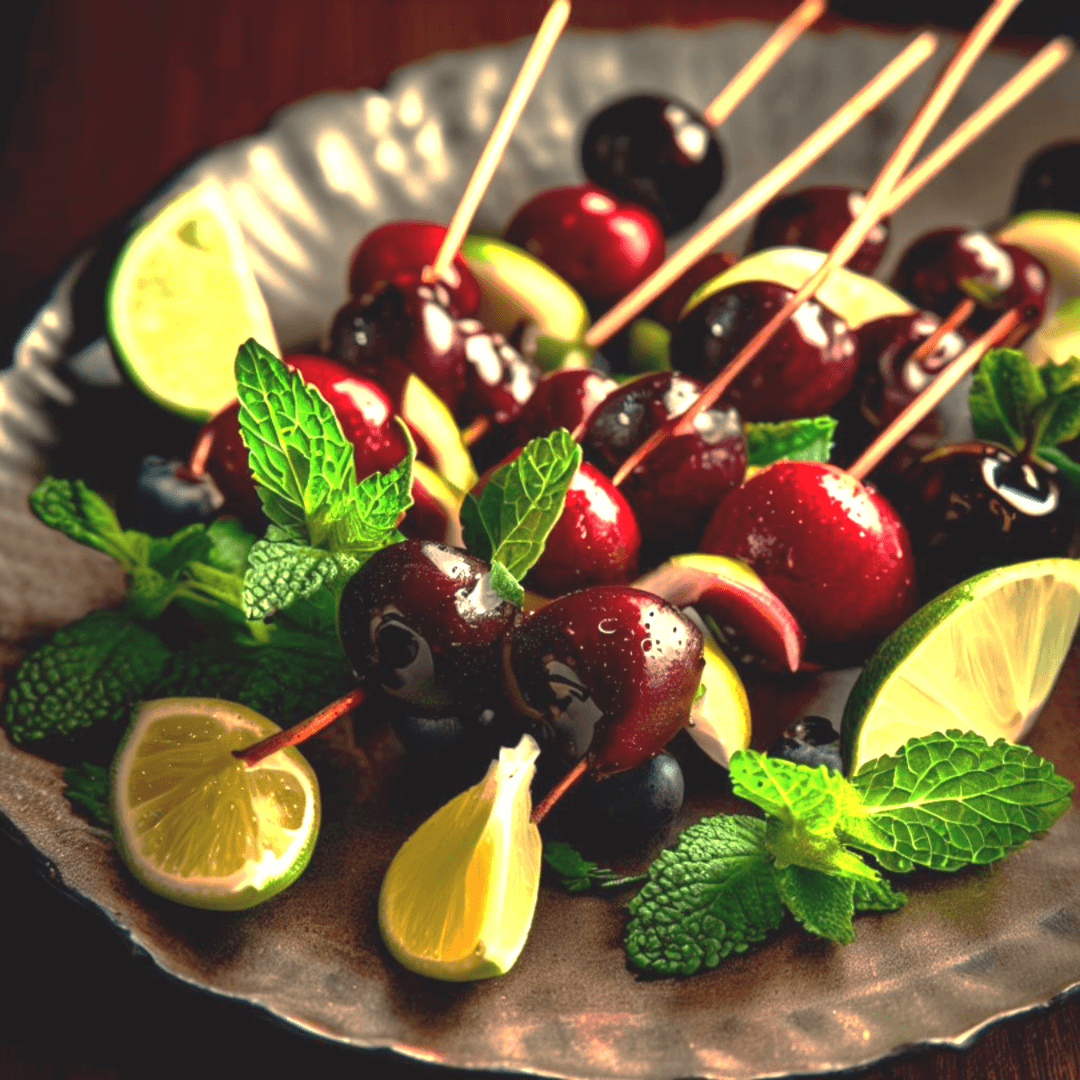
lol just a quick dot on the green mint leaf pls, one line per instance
(713, 894)
(1005, 393)
(1061, 378)
(87, 789)
(950, 799)
(1059, 419)
(1068, 470)
(808, 439)
(806, 809)
(81, 684)
(579, 874)
(522, 501)
(822, 903)
(298, 454)
(72, 508)
(170, 554)
(473, 531)
(230, 543)
(279, 574)
(877, 896)
(505, 585)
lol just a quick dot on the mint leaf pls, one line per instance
(806, 809)
(950, 799)
(87, 789)
(280, 573)
(505, 585)
(824, 904)
(1068, 470)
(579, 874)
(713, 894)
(877, 896)
(230, 543)
(1059, 418)
(521, 502)
(1005, 393)
(82, 682)
(297, 452)
(473, 531)
(808, 439)
(72, 508)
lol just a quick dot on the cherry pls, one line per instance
(806, 369)
(498, 380)
(830, 547)
(674, 490)
(1051, 180)
(601, 246)
(227, 465)
(667, 307)
(397, 253)
(421, 622)
(656, 152)
(611, 670)
(816, 217)
(596, 540)
(562, 399)
(972, 506)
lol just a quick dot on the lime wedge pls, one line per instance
(982, 657)
(458, 900)
(198, 826)
(720, 718)
(181, 300)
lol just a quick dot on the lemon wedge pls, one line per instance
(458, 900)
(195, 824)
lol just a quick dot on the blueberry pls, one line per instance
(812, 741)
(167, 497)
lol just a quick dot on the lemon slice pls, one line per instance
(720, 717)
(197, 825)
(458, 900)
(182, 299)
(982, 657)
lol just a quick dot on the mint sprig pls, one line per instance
(579, 874)
(518, 508)
(806, 439)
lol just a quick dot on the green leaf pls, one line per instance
(1059, 421)
(83, 682)
(87, 789)
(230, 543)
(505, 585)
(1005, 393)
(298, 454)
(950, 799)
(712, 895)
(475, 535)
(822, 903)
(1068, 470)
(280, 573)
(808, 439)
(170, 554)
(877, 896)
(579, 874)
(72, 508)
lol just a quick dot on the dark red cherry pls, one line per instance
(397, 253)
(613, 671)
(421, 622)
(668, 306)
(498, 381)
(973, 506)
(407, 327)
(807, 367)
(1051, 180)
(600, 245)
(657, 152)
(562, 399)
(831, 548)
(227, 465)
(674, 490)
(816, 217)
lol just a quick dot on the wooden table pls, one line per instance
(106, 99)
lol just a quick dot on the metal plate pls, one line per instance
(967, 950)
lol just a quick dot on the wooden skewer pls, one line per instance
(531, 70)
(957, 317)
(782, 38)
(916, 410)
(755, 197)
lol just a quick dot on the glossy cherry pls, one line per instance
(420, 622)
(1051, 180)
(398, 252)
(667, 308)
(657, 152)
(498, 381)
(804, 370)
(816, 217)
(674, 490)
(602, 246)
(833, 549)
(562, 399)
(972, 506)
(611, 671)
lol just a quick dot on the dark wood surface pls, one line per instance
(101, 101)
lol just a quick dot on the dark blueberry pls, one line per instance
(167, 497)
(812, 741)
(1051, 180)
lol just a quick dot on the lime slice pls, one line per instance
(196, 825)
(458, 900)
(981, 657)
(182, 299)
(720, 718)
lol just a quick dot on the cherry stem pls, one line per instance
(195, 469)
(479, 427)
(781, 39)
(252, 755)
(921, 406)
(559, 790)
(957, 317)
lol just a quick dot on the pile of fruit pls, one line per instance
(450, 499)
